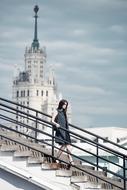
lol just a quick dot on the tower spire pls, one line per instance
(35, 43)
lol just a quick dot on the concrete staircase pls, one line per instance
(32, 162)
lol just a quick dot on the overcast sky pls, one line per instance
(86, 42)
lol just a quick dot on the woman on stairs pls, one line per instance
(62, 137)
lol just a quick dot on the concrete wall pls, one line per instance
(9, 181)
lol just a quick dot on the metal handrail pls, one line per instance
(57, 149)
(74, 126)
(86, 139)
(85, 171)
(71, 132)
(27, 126)
(38, 120)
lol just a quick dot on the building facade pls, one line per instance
(31, 87)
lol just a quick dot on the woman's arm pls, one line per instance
(53, 120)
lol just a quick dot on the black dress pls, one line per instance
(62, 137)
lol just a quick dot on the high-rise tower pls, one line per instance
(31, 87)
(35, 57)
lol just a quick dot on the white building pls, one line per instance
(31, 87)
(117, 135)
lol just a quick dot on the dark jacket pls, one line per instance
(60, 133)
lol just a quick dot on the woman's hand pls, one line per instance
(57, 125)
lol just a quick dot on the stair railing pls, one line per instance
(37, 118)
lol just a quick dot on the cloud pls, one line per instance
(5, 67)
(117, 28)
(86, 44)
(93, 110)
(78, 32)
(87, 90)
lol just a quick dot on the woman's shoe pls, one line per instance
(68, 166)
(72, 163)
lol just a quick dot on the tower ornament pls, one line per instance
(36, 9)
(35, 43)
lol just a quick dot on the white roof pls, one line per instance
(113, 133)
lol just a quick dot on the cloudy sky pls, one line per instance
(86, 42)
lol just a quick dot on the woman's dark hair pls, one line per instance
(61, 103)
(60, 107)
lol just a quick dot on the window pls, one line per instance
(28, 93)
(37, 92)
(42, 93)
(46, 93)
(17, 94)
(23, 93)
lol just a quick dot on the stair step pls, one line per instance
(50, 166)
(6, 148)
(2, 142)
(22, 153)
(63, 173)
(95, 172)
(77, 179)
(35, 160)
(80, 166)
(35, 157)
(89, 186)
(107, 185)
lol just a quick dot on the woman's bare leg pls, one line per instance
(60, 151)
(69, 154)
